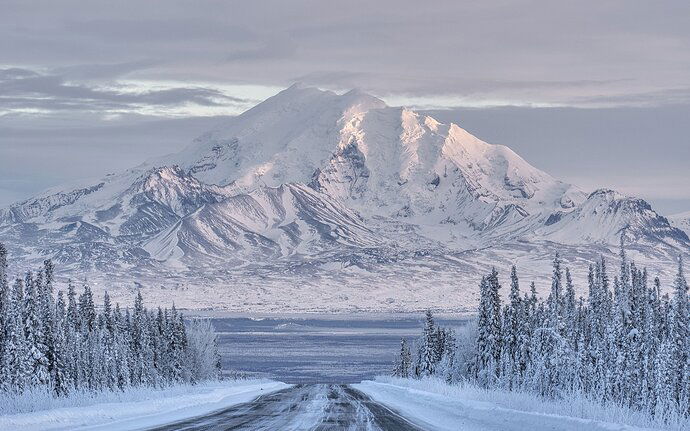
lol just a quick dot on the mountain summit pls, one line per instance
(379, 160)
(326, 190)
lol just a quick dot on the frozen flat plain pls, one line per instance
(322, 349)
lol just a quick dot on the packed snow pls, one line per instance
(435, 405)
(681, 221)
(136, 408)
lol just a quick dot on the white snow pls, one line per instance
(681, 221)
(140, 409)
(282, 140)
(436, 405)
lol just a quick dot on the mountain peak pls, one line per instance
(364, 99)
(605, 193)
(299, 89)
(286, 138)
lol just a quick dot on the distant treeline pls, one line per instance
(61, 342)
(626, 343)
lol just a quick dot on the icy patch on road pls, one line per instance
(436, 405)
(139, 408)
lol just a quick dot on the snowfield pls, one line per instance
(435, 405)
(134, 409)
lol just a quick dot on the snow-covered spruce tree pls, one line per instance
(651, 336)
(440, 341)
(487, 364)
(4, 299)
(33, 333)
(160, 345)
(511, 365)
(527, 323)
(679, 336)
(87, 309)
(437, 352)
(396, 370)
(123, 353)
(555, 300)
(483, 349)
(428, 349)
(570, 310)
(68, 345)
(176, 340)
(46, 311)
(553, 365)
(403, 361)
(202, 356)
(636, 375)
(106, 328)
(495, 325)
(139, 344)
(59, 370)
(599, 340)
(72, 337)
(629, 347)
(665, 380)
(447, 367)
(17, 365)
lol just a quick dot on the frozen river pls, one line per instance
(316, 350)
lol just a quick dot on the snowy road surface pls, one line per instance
(302, 407)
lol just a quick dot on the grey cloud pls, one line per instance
(666, 96)
(513, 89)
(208, 28)
(88, 72)
(532, 51)
(16, 73)
(22, 89)
(275, 49)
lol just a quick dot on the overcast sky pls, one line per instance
(593, 92)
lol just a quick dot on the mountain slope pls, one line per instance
(320, 189)
(282, 140)
(268, 223)
(681, 221)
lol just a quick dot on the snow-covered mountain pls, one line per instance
(606, 214)
(681, 221)
(331, 192)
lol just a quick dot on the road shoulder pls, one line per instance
(435, 411)
(159, 408)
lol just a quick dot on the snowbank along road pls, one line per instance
(302, 407)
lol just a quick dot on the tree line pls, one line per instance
(63, 343)
(626, 343)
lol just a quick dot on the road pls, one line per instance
(302, 407)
